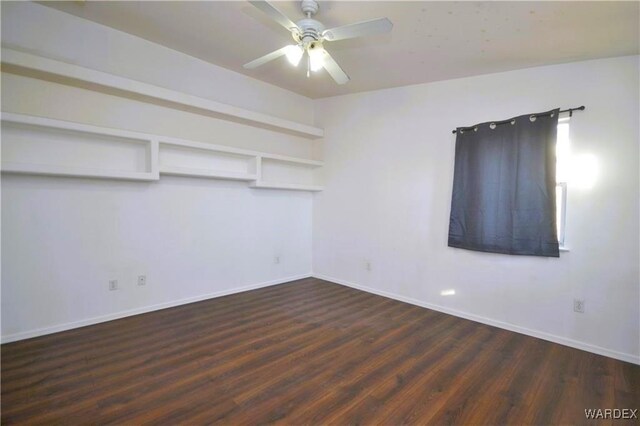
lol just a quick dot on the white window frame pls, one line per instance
(562, 217)
(562, 186)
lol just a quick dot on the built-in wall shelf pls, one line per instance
(182, 158)
(289, 186)
(74, 171)
(287, 173)
(22, 63)
(44, 146)
(206, 173)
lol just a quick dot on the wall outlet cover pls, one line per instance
(113, 285)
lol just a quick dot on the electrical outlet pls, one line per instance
(578, 305)
(276, 259)
(113, 285)
(142, 280)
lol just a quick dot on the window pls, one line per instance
(494, 211)
(562, 177)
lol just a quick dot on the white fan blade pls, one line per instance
(359, 29)
(275, 14)
(266, 58)
(334, 69)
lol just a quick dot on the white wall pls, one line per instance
(388, 176)
(26, 95)
(64, 239)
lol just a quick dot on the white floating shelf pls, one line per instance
(216, 174)
(53, 170)
(291, 160)
(43, 146)
(165, 140)
(65, 73)
(289, 186)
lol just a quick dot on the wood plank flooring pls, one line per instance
(306, 352)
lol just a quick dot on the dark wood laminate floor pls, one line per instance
(306, 352)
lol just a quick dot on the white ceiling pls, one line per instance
(430, 41)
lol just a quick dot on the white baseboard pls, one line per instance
(122, 314)
(484, 320)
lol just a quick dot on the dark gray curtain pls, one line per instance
(504, 187)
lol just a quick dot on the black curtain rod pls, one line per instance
(569, 110)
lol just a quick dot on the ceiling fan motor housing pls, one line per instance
(311, 30)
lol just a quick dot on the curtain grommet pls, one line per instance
(532, 118)
(492, 126)
(513, 122)
(461, 131)
(552, 114)
(475, 129)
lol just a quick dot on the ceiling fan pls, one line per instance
(310, 35)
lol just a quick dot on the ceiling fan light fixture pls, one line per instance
(310, 34)
(316, 59)
(294, 54)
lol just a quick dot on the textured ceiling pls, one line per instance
(430, 41)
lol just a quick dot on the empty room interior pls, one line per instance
(320, 212)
